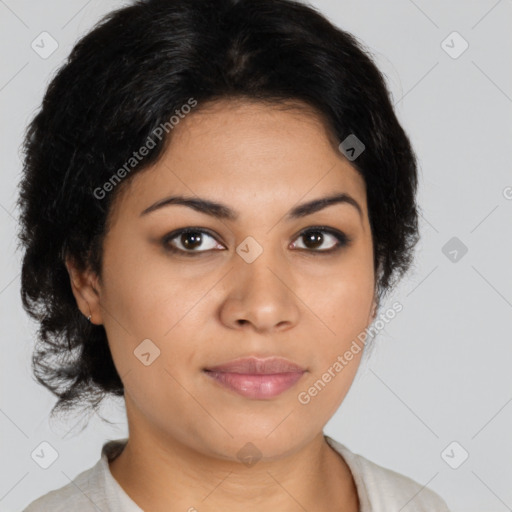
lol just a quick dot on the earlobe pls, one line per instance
(84, 288)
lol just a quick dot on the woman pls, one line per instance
(216, 198)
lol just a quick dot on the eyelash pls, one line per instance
(342, 240)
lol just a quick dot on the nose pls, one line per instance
(260, 296)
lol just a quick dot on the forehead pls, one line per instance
(255, 131)
(248, 154)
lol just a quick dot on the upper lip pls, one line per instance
(256, 365)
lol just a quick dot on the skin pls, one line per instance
(184, 429)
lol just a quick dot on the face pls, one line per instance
(266, 281)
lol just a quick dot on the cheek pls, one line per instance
(149, 298)
(344, 311)
(146, 291)
(348, 307)
(343, 299)
(343, 305)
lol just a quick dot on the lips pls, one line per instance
(257, 378)
(257, 366)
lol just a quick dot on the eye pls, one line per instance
(315, 237)
(188, 240)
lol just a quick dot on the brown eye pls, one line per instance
(187, 241)
(191, 240)
(316, 238)
(313, 239)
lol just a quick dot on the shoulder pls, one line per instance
(85, 493)
(79, 495)
(383, 489)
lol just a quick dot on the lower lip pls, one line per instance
(256, 386)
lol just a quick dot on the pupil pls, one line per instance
(195, 237)
(313, 239)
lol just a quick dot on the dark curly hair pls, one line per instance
(126, 78)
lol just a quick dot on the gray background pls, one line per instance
(440, 371)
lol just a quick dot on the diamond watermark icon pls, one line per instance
(454, 249)
(454, 455)
(249, 249)
(351, 147)
(44, 45)
(44, 455)
(147, 352)
(249, 455)
(454, 45)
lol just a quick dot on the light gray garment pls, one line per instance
(380, 489)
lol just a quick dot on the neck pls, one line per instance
(158, 474)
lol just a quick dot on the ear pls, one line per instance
(373, 310)
(85, 287)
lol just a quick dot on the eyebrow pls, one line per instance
(221, 211)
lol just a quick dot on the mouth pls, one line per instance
(256, 378)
